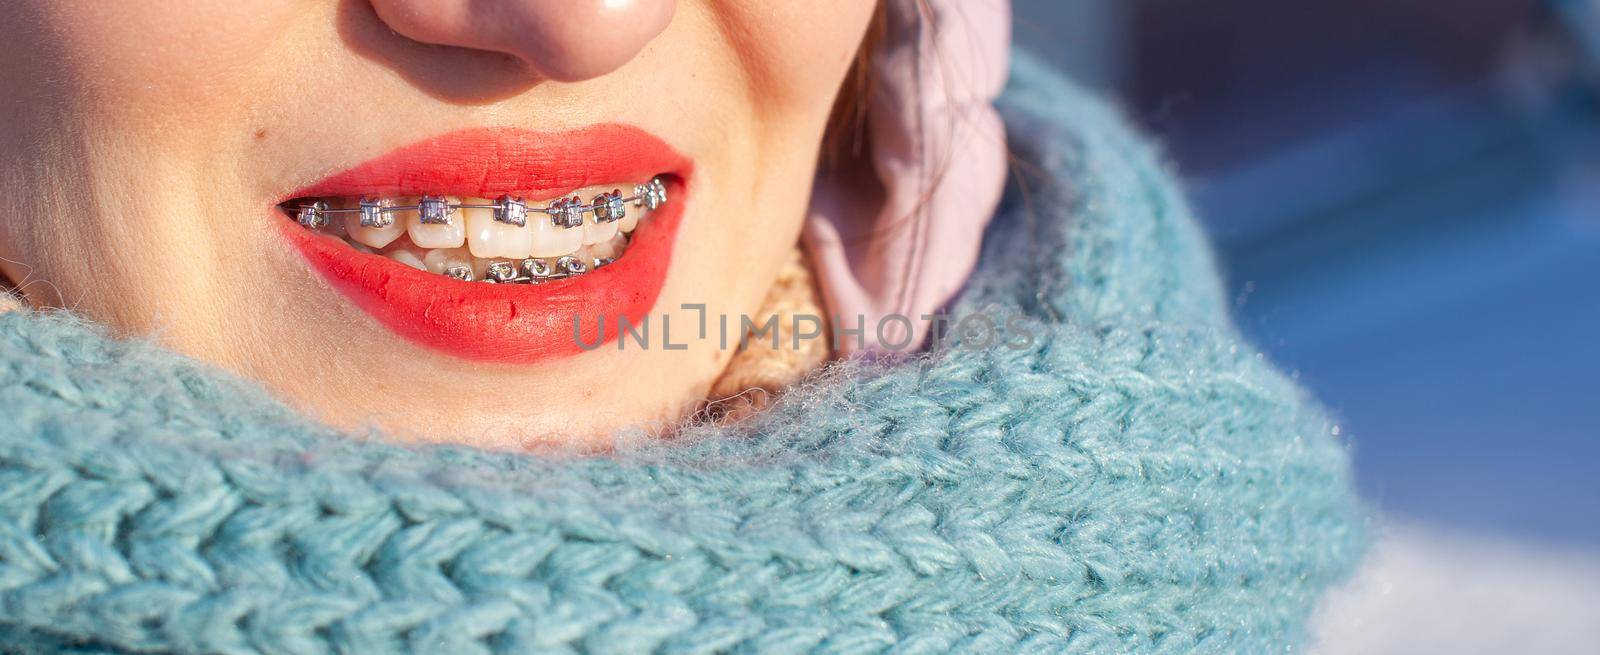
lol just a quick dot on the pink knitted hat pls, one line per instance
(938, 149)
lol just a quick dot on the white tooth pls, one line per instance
(596, 232)
(407, 253)
(408, 258)
(488, 238)
(377, 237)
(440, 259)
(551, 241)
(435, 235)
(610, 249)
(630, 219)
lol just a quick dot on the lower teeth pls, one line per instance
(533, 270)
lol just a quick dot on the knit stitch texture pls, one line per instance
(1134, 480)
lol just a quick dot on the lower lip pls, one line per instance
(509, 323)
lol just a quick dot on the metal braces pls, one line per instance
(508, 209)
(532, 270)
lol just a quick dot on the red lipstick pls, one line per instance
(516, 324)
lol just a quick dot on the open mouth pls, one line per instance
(506, 240)
(499, 244)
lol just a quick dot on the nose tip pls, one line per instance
(564, 40)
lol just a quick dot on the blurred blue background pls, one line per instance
(1405, 196)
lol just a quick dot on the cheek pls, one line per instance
(795, 53)
(791, 59)
(159, 62)
(125, 101)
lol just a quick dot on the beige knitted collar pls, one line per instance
(758, 371)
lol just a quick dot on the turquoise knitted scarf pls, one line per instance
(1134, 480)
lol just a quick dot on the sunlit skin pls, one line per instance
(147, 142)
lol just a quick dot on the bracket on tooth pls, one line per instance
(567, 212)
(571, 265)
(511, 211)
(651, 194)
(659, 190)
(463, 273)
(609, 207)
(537, 269)
(313, 215)
(500, 272)
(372, 214)
(432, 210)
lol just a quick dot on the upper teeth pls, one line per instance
(458, 236)
(436, 210)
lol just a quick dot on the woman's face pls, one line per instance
(157, 154)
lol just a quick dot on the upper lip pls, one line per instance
(489, 162)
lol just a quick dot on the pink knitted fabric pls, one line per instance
(938, 149)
